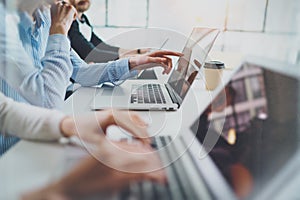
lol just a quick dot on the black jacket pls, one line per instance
(91, 51)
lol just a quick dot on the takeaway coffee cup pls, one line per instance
(213, 71)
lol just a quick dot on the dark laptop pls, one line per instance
(245, 140)
(244, 145)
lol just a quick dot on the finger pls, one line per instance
(158, 176)
(61, 3)
(163, 62)
(137, 148)
(197, 63)
(58, 7)
(69, 9)
(166, 68)
(169, 64)
(53, 10)
(136, 118)
(141, 134)
(124, 119)
(74, 11)
(157, 60)
(165, 65)
(165, 53)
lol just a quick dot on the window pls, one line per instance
(119, 13)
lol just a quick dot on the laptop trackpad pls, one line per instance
(148, 74)
(115, 91)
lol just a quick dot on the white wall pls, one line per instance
(267, 28)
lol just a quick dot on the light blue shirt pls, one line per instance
(39, 45)
(44, 64)
(35, 68)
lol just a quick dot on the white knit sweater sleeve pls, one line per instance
(29, 122)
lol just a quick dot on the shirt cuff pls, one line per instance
(123, 69)
(118, 72)
(52, 125)
(58, 42)
(122, 66)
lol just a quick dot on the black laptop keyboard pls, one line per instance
(147, 94)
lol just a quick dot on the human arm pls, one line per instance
(42, 87)
(91, 51)
(103, 52)
(116, 71)
(114, 52)
(88, 126)
(94, 49)
(40, 81)
(94, 74)
(125, 53)
(107, 169)
(29, 122)
(36, 123)
(154, 59)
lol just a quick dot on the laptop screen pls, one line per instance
(250, 129)
(195, 52)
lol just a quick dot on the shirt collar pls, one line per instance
(39, 18)
(26, 20)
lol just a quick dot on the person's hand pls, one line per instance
(89, 126)
(113, 166)
(125, 53)
(154, 59)
(62, 16)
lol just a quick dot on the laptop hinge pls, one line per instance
(174, 97)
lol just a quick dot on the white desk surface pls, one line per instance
(32, 164)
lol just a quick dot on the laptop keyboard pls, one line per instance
(147, 94)
(178, 187)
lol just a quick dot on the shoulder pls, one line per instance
(74, 27)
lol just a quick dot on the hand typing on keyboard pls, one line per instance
(154, 59)
(88, 127)
(110, 167)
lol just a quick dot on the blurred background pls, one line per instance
(269, 28)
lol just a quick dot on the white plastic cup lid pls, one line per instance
(214, 65)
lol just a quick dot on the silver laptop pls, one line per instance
(151, 95)
(243, 146)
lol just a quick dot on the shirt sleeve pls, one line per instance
(78, 42)
(46, 86)
(29, 122)
(103, 51)
(91, 51)
(94, 74)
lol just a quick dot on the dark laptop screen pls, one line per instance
(250, 129)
